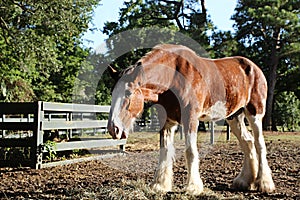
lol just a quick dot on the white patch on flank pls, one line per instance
(217, 112)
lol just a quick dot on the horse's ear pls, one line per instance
(113, 73)
(149, 95)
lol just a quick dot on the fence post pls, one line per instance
(70, 131)
(227, 132)
(212, 131)
(36, 149)
(122, 148)
(3, 131)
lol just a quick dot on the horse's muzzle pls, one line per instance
(116, 132)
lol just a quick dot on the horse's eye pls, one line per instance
(127, 93)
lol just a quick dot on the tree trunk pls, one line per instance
(203, 9)
(271, 79)
(274, 127)
(267, 124)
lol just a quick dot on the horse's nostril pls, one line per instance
(116, 130)
(124, 135)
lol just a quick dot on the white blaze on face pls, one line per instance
(117, 101)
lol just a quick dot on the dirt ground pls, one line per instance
(128, 177)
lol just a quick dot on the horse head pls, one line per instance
(128, 98)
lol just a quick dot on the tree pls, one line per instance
(224, 44)
(268, 31)
(40, 53)
(287, 111)
(188, 17)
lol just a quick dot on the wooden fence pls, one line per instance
(33, 120)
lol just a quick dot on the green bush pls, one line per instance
(287, 111)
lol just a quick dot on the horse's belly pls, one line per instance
(216, 112)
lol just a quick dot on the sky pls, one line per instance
(220, 12)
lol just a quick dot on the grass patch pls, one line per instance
(204, 137)
(282, 136)
(138, 189)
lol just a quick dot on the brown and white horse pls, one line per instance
(191, 88)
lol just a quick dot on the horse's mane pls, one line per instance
(176, 49)
(172, 48)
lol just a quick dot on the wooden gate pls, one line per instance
(32, 120)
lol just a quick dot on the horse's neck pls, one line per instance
(158, 78)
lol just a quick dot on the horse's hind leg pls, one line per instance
(245, 180)
(163, 178)
(264, 181)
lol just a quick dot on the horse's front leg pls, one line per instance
(194, 182)
(163, 178)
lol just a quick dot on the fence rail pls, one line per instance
(38, 117)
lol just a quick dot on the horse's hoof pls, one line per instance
(241, 184)
(194, 189)
(265, 185)
(160, 188)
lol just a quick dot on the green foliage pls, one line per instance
(39, 48)
(188, 17)
(78, 152)
(263, 25)
(93, 85)
(287, 111)
(288, 76)
(50, 148)
(139, 14)
(268, 32)
(223, 44)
